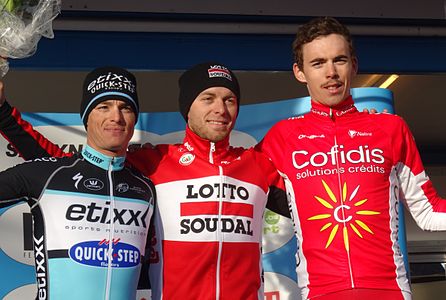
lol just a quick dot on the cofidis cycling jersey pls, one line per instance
(346, 171)
(90, 222)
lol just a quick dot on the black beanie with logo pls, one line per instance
(201, 77)
(108, 83)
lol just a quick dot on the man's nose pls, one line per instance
(220, 106)
(332, 70)
(116, 114)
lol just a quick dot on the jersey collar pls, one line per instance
(105, 162)
(345, 107)
(203, 147)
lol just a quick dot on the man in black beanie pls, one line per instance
(86, 202)
(107, 83)
(204, 76)
(211, 197)
(209, 100)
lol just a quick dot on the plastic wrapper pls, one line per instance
(22, 24)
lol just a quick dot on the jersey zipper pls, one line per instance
(211, 152)
(341, 201)
(112, 230)
(219, 233)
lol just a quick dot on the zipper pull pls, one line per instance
(211, 153)
(331, 113)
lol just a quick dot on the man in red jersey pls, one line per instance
(346, 172)
(211, 196)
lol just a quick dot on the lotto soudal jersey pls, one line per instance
(346, 172)
(90, 222)
(209, 218)
(209, 213)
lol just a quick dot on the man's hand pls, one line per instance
(2, 94)
(374, 111)
(135, 147)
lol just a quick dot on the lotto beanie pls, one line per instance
(201, 77)
(108, 83)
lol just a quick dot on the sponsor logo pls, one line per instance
(271, 222)
(240, 213)
(154, 257)
(77, 178)
(188, 146)
(345, 111)
(93, 184)
(40, 267)
(362, 154)
(111, 81)
(337, 113)
(310, 137)
(48, 159)
(95, 213)
(349, 211)
(354, 133)
(100, 254)
(228, 225)
(271, 218)
(140, 190)
(217, 190)
(321, 113)
(122, 187)
(92, 157)
(186, 159)
(219, 71)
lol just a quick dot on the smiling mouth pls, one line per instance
(333, 87)
(118, 130)
(213, 122)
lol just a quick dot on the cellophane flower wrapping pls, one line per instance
(22, 24)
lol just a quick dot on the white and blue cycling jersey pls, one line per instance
(91, 216)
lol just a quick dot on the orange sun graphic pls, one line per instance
(339, 215)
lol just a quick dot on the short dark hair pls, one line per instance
(321, 26)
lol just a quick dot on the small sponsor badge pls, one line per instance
(186, 159)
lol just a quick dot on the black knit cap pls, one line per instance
(201, 77)
(108, 83)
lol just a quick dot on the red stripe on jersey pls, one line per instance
(211, 208)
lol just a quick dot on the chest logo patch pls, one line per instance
(186, 159)
(93, 184)
(99, 254)
(346, 210)
(354, 133)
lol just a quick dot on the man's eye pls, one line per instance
(127, 109)
(341, 60)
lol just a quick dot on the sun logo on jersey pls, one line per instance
(346, 211)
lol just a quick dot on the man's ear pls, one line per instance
(299, 74)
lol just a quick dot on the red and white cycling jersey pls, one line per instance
(209, 217)
(345, 172)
